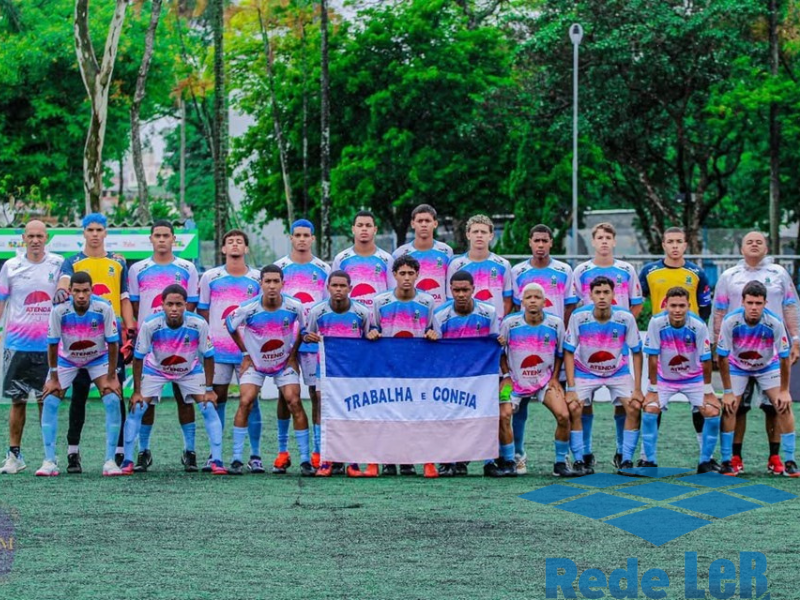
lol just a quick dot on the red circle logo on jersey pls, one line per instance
(531, 361)
(547, 302)
(37, 298)
(228, 311)
(678, 360)
(81, 345)
(157, 302)
(601, 356)
(271, 345)
(750, 355)
(427, 285)
(483, 295)
(304, 297)
(100, 289)
(173, 360)
(404, 334)
(362, 289)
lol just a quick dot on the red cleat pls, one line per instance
(282, 462)
(737, 464)
(217, 468)
(127, 467)
(315, 462)
(429, 470)
(775, 465)
(371, 471)
(324, 470)
(354, 471)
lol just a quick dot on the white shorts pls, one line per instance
(695, 396)
(66, 375)
(224, 373)
(766, 381)
(617, 388)
(286, 377)
(308, 366)
(537, 396)
(189, 385)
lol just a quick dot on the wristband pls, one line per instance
(570, 388)
(708, 388)
(245, 354)
(727, 391)
(54, 369)
(209, 388)
(652, 388)
(796, 338)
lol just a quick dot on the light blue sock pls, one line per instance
(619, 421)
(213, 429)
(133, 423)
(50, 426)
(221, 413)
(488, 461)
(302, 444)
(630, 440)
(586, 423)
(283, 434)
(561, 451)
(317, 439)
(576, 444)
(189, 431)
(113, 423)
(518, 422)
(239, 436)
(507, 452)
(787, 441)
(254, 428)
(710, 436)
(144, 437)
(650, 435)
(726, 445)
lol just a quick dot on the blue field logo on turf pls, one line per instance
(8, 543)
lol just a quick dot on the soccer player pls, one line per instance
(781, 301)
(597, 349)
(146, 280)
(433, 256)
(222, 289)
(404, 312)
(753, 344)
(82, 334)
(174, 346)
(269, 342)
(627, 295)
(556, 279)
(339, 316)
(465, 317)
(533, 343)
(368, 266)
(304, 278)
(491, 273)
(109, 273)
(27, 286)
(679, 356)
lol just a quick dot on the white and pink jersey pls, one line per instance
(83, 339)
(28, 288)
(556, 279)
(220, 294)
(531, 351)
(481, 322)
(627, 287)
(601, 349)
(268, 335)
(305, 282)
(147, 279)
(355, 322)
(404, 318)
(492, 278)
(370, 275)
(753, 349)
(433, 265)
(681, 351)
(780, 287)
(173, 353)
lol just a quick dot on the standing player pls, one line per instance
(491, 273)
(82, 334)
(173, 346)
(269, 344)
(753, 344)
(600, 338)
(679, 357)
(533, 343)
(464, 317)
(556, 279)
(433, 256)
(27, 285)
(304, 278)
(109, 272)
(222, 289)
(146, 280)
(339, 316)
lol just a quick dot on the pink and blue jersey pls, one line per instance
(355, 322)
(780, 287)
(173, 353)
(601, 349)
(369, 275)
(492, 278)
(404, 318)
(27, 289)
(531, 351)
(83, 339)
(681, 351)
(220, 294)
(627, 287)
(481, 322)
(556, 279)
(753, 349)
(147, 279)
(433, 265)
(269, 335)
(305, 282)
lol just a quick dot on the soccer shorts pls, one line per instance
(190, 385)
(25, 372)
(66, 375)
(224, 373)
(537, 396)
(288, 376)
(766, 381)
(308, 366)
(694, 393)
(618, 388)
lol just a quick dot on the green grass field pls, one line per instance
(171, 535)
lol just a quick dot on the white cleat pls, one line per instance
(48, 469)
(522, 463)
(13, 464)
(111, 469)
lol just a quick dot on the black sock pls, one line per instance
(697, 421)
(737, 450)
(774, 448)
(14, 450)
(658, 423)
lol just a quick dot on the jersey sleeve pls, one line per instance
(721, 299)
(724, 341)
(790, 295)
(560, 340)
(336, 265)
(704, 342)
(571, 337)
(5, 286)
(311, 325)
(206, 347)
(68, 268)
(652, 341)
(508, 286)
(494, 324)
(635, 288)
(237, 317)
(643, 284)
(110, 325)
(192, 287)
(503, 329)
(133, 282)
(632, 337)
(376, 317)
(54, 327)
(143, 341)
(515, 291)
(204, 300)
(570, 297)
(451, 270)
(703, 289)
(123, 284)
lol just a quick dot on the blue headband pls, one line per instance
(303, 223)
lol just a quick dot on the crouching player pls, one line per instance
(679, 362)
(169, 349)
(82, 335)
(753, 344)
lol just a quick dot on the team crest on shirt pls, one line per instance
(619, 278)
(688, 280)
(354, 327)
(416, 315)
(94, 323)
(250, 289)
(615, 334)
(439, 262)
(553, 281)
(285, 322)
(546, 338)
(377, 269)
(111, 270)
(186, 340)
(177, 277)
(51, 277)
(767, 281)
(493, 273)
(314, 277)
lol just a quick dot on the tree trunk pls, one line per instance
(305, 122)
(143, 210)
(220, 130)
(325, 143)
(774, 138)
(97, 81)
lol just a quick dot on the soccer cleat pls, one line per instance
(640, 463)
(647, 464)
(389, 470)
(706, 467)
(315, 460)
(354, 471)
(338, 469)
(492, 470)
(111, 469)
(790, 469)
(522, 463)
(580, 468)
(617, 461)
(144, 461)
(307, 469)
(119, 458)
(625, 464)
(74, 463)
(217, 468)
(48, 469)
(726, 468)
(189, 461)
(282, 462)
(590, 461)
(560, 469)
(371, 470)
(462, 469)
(324, 470)
(13, 464)
(775, 465)
(715, 466)
(509, 467)
(737, 464)
(407, 470)
(447, 470)
(255, 465)
(207, 467)
(236, 468)
(127, 467)
(429, 471)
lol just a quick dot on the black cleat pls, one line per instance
(617, 462)
(389, 470)
(236, 468)
(715, 466)
(590, 461)
(640, 463)
(119, 458)
(706, 467)
(647, 464)
(560, 469)
(461, 469)
(625, 464)
(727, 469)
(447, 470)
(337, 469)
(580, 468)
(492, 470)
(306, 470)
(143, 462)
(790, 469)
(509, 467)
(207, 467)
(189, 461)
(407, 470)
(74, 463)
